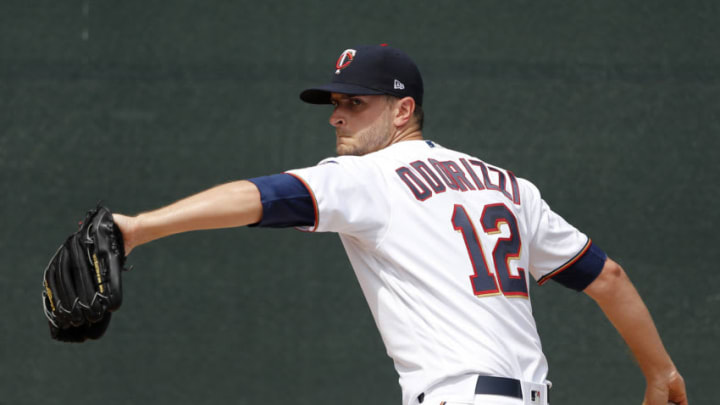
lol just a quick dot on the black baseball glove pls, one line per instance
(82, 283)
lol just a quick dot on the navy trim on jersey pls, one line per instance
(286, 201)
(582, 270)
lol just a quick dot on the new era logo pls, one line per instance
(398, 85)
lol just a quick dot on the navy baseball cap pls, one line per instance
(370, 70)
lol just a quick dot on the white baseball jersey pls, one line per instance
(443, 245)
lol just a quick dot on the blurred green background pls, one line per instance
(611, 107)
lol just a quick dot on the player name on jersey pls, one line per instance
(436, 177)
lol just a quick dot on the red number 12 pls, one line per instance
(501, 281)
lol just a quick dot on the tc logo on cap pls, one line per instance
(344, 60)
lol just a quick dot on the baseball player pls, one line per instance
(444, 244)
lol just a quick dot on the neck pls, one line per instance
(406, 133)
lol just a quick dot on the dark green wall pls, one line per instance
(610, 107)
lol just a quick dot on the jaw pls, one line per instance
(348, 146)
(377, 135)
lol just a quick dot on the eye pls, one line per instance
(355, 101)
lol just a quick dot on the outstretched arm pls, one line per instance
(617, 297)
(228, 205)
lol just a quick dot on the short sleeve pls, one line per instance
(285, 200)
(350, 196)
(554, 244)
(581, 271)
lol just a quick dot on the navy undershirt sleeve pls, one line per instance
(584, 271)
(285, 200)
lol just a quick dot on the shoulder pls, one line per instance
(348, 165)
(529, 187)
(341, 174)
(371, 161)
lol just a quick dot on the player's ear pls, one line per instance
(403, 110)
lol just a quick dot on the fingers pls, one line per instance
(68, 309)
(82, 277)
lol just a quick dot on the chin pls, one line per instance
(349, 152)
(342, 150)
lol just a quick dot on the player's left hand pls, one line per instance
(82, 282)
(669, 389)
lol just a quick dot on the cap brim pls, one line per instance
(321, 94)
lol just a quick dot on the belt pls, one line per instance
(489, 385)
(503, 386)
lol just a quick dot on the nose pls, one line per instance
(336, 119)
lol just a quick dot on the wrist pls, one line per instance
(663, 373)
(141, 230)
(128, 229)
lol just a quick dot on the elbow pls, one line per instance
(612, 271)
(607, 282)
